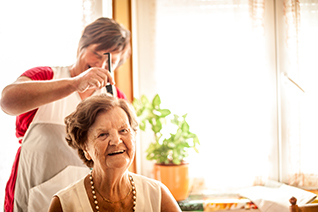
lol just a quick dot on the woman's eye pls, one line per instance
(98, 55)
(103, 135)
(124, 130)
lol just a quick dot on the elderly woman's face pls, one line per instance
(111, 141)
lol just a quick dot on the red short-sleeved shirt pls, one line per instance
(22, 123)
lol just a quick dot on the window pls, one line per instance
(299, 114)
(223, 63)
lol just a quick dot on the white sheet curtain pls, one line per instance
(88, 12)
(300, 109)
(210, 52)
(208, 59)
(237, 68)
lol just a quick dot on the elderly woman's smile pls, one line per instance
(111, 139)
(116, 152)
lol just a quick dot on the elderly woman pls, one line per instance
(103, 130)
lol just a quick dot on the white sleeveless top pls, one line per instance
(74, 198)
(47, 164)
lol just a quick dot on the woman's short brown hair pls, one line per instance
(79, 122)
(109, 35)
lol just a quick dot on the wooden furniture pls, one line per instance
(306, 208)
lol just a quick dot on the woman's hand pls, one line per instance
(93, 78)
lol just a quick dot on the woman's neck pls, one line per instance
(113, 185)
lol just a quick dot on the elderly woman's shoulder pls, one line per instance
(153, 190)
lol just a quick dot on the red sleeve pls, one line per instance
(120, 94)
(23, 120)
(39, 73)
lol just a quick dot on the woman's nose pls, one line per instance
(115, 139)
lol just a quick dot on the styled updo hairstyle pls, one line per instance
(79, 122)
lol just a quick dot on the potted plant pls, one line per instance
(170, 148)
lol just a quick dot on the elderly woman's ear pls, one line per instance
(87, 156)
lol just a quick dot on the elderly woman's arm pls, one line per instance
(55, 205)
(168, 203)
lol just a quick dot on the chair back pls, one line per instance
(305, 208)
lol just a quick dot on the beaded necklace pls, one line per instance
(133, 190)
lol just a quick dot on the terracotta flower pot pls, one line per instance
(176, 178)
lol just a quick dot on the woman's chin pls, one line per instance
(118, 161)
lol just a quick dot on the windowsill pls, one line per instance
(220, 203)
(315, 192)
(203, 200)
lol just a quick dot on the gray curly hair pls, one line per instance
(79, 122)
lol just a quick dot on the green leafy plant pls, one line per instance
(172, 149)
